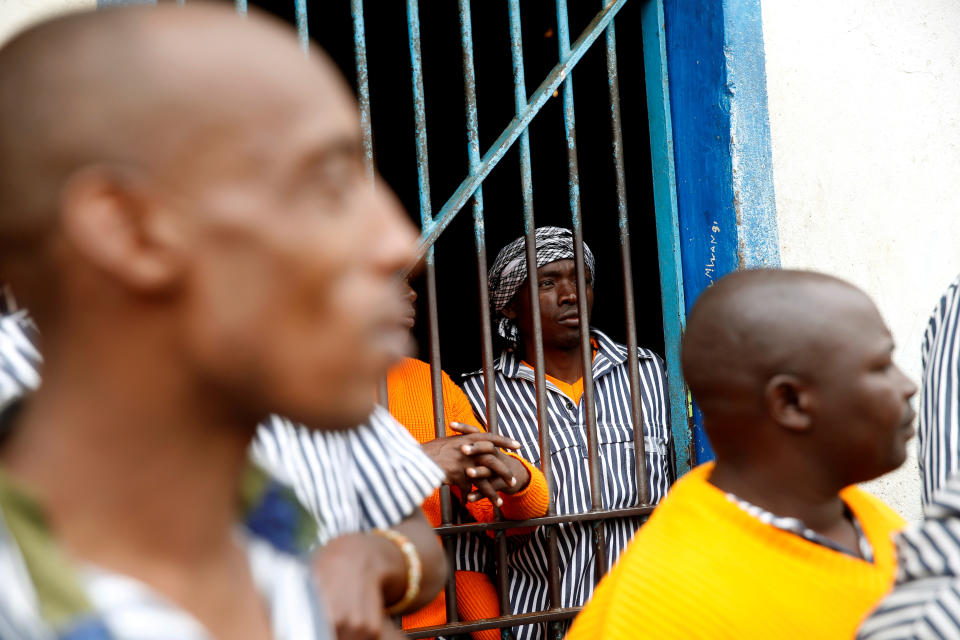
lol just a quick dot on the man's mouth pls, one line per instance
(569, 319)
(906, 427)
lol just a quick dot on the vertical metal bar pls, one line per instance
(303, 30)
(668, 227)
(241, 7)
(540, 383)
(423, 181)
(363, 83)
(636, 399)
(366, 124)
(586, 349)
(489, 378)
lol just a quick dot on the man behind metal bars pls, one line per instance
(517, 411)
(801, 400)
(186, 214)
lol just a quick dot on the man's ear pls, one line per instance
(510, 311)
(789, 401)
(110, 220)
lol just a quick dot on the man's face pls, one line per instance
(293, 304)
(557, 283)
(865, 416)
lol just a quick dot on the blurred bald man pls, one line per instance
(801, 399)
(185, 213)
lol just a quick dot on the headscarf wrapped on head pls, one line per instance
(509, 270)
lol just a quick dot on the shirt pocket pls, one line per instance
(615, 444)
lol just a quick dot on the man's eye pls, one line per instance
(546, 283)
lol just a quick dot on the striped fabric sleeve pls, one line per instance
(939, 410)
(397, 475)
(374, 476)
(19, 358)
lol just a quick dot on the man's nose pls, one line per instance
(394, 238)
(567, 293)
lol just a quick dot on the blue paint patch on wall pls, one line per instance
(701, 131)
(750, 153)
(724, 175)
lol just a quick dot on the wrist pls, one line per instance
(413, 571)
(520, 472)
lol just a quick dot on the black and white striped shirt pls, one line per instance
(517, 411)
(925, 602)
(19, 358)
(939, 421)
(350, 481)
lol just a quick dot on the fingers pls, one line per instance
(485, 490)
(496, 484)
(460, 427)
(497, 465)
(486, 443)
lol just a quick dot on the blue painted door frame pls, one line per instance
(722, 165)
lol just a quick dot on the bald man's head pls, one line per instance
(148, 88)
(192, 168)
(800, 359)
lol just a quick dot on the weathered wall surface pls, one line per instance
(864, 99)
(17, 14)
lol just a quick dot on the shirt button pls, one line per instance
(569, 406)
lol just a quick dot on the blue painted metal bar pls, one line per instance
(586, 348)
(423, 181)
(303, 31)
(519, 123)
(529, 226)
(623, 220)
(363, 84)
(666, 207)
(479, 234)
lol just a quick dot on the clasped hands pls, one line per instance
(473, 459)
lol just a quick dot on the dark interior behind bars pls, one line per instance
(460, 345)
(393, 138)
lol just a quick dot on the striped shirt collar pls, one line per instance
(609, 355)
(797, 527)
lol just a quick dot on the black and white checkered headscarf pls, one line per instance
(509, 270)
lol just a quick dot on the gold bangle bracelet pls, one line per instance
(414, 569)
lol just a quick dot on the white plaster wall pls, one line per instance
(18, 14)
(864, 100)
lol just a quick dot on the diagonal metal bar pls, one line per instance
(519, 123)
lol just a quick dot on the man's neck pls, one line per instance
(133, 452)
(773, 488)
(562, 364)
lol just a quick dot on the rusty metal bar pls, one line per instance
(303, 30)
(586, 516)
(423, 181)
(489, 377)
(366, 124)
(540, 383)
(519, 124)
(636, 399)
(503, 621)
(586, 349)
(363, 84)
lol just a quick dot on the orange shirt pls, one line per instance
(411, 402)
(573, 390)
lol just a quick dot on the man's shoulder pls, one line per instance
(866, 505)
